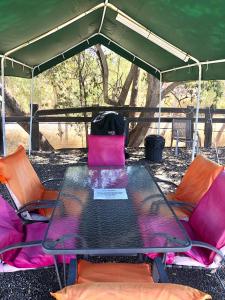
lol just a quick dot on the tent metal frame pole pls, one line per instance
(96, 34)
(16, 61)
(195, 65)
(195, 136)
(160, 102)
(179, 68)
(103, 15)
(85, 40)
(31, 111)
(3, 105)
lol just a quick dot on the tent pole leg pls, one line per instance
(31, 111)
(195, 137)
(160, 100)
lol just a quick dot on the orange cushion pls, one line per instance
(129, 291)
(113, 272)
(17, 171)
(197, 180)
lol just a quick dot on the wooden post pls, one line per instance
(190, 116)
(126, 115)
(35, 142)
(208, 128)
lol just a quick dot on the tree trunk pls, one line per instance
(83, 92)
(105, 79)
(134, 93)
(138, 134)
(13, 109)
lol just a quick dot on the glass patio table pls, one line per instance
(111, 211)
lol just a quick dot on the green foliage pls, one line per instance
(186, 94)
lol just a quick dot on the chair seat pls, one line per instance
(13, 231)
(202, 255)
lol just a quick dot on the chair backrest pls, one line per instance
(106, 150)
(113, 272)
(182, 128)
(129, 291)
(18, 174)
(197, 180)
(208, 219)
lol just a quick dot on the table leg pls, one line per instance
(72, 273)
(57, 272)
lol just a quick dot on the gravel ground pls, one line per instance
(36, 284)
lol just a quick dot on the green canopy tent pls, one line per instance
(173, 41)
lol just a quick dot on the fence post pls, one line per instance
(35, 141)
(190, 116)
(208, 128)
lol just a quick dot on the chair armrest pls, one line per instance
(176, 204)
(165, 181)
(189, 207)
(33, 205)
(21, 245)
(208, 246)
(51, 179)
(158, 271)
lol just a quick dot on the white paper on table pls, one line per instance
(110, 194)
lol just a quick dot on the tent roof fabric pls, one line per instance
(196, 27)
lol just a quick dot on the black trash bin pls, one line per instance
(154, 145)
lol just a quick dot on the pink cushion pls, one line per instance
(11, 228)
(208, 219)
(201, 255)
(12, 231)
(106, 150)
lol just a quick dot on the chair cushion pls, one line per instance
(113, 272)
(208, 220)
(106, 150)
(197, 180)
(129, 291)
(17, 172)
(11, 229)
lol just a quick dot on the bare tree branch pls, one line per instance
(126, 86)
(170, 88)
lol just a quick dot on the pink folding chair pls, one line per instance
(206, 229)
(106, 150)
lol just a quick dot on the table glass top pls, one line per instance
(112, 210)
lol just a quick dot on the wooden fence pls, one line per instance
(207, 116)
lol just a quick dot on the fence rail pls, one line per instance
(55, 115)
